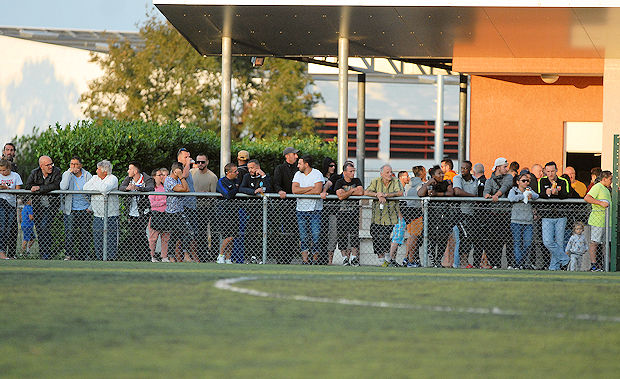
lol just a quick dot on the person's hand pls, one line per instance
(549, 191)
(35, 188)
(487, 196)
(567, 253)
(282, 194)
(382, 199)
(603, 204)
(495, 198)
(431, 192)
(323, 195)
(131, 187)
(259, 190)
(260, 172)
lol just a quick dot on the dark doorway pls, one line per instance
(583, 163)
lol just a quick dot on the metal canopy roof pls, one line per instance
(404, 32)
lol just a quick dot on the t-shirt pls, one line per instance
(470, 186)
(579, 187)
(315, 176)
(12, 180)
(26, 221)
(449, 175)
(174, 204)
(204, 182)
(597, 216)
(348, 205)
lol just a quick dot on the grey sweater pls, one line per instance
(496, 183)
(521, 213)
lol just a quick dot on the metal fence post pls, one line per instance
(425, 226)
(607, 244)
(265, 201)
(105, 227)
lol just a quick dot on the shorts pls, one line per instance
(596, 234)
(415, 227)
(348, 226)
(398, 232)
(28, 233)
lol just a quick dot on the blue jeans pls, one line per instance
(112, 237)
(7, 218)
(522, 239)
(553, 239)
(309, 230)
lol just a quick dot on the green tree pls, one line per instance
(165, 81)
(283, 103)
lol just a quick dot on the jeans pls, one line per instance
(112, 237)
(7, 219)
(78, 234)
(522, 238)
(309, 224)
(553, 239)
(43, 218)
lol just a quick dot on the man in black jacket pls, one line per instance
(255, 182)
(552, 186)
(136, 247)
(286, 237)
(42, 180)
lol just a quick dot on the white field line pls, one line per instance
(228, 285)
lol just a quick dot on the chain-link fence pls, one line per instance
(299, 229)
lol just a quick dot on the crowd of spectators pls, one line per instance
(229, 229)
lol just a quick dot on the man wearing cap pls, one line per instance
(243, 156)
(286, 239)
(498, 219)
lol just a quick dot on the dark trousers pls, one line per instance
(284, 233)
(78, 234)
(136, 246)
(43, 220)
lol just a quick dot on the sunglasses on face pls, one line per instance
(524, 181)
(201, 162)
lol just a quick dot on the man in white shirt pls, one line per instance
(308, 181)
(104, 182)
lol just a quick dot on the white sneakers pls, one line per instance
(221, 259)
(154, 260)
(165, 260)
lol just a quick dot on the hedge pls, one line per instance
(151, 144)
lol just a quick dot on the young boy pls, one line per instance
(8, 203)
(27, 222)
(576, 247)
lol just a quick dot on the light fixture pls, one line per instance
(549, 78)
(258, 61)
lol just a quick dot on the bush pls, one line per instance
(152, 145)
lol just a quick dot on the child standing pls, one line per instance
(576, 247)
(8, 203)
(27, 221)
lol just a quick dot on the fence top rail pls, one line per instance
(288, 196)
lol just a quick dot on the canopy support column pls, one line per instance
(343, 99)
(361, 126)
(439, 122)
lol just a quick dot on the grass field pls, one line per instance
(117, 319)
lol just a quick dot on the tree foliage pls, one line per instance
(169, 81)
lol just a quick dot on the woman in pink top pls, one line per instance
(157, 223)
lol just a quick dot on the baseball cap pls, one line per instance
(289, 150)
(243, 155)
(499, 162)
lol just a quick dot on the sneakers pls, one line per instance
(385, 264)
(413, 265)
(469, 266)
(393, 263)
(228, 261)
(594, 268)
(68, 258)
(345, 261)
(253, 260)
(153, 259)
(220, 259)
(355, 261)
(165, 260)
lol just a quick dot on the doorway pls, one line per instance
(583, 163)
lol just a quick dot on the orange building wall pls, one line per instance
(521, 118)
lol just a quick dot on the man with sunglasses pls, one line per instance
(204, 180)
(42, 180)
(189, 202)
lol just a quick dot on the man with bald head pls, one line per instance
(537, 170)
(42, 180)
(578, 186)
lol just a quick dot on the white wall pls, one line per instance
(40, 84)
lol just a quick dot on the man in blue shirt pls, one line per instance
(227, 210)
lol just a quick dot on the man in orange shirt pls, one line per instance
(447, 168)
(576, 184)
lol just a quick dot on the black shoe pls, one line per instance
(393, 263)
(345, 261)
(355, 261)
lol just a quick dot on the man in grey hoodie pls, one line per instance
(498, 218)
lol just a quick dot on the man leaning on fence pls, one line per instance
(204, 181)
(286, 238)
(600, 199)
(138, 208)
(77, 213)
(465, 185)
(256, 182)
(41, 181)
(348, 216)
(385, 214)
(497, 226)
(104, 182)
(228, 212)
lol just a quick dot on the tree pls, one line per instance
(283, 103)
(166, 81)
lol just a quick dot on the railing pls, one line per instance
(441, 232)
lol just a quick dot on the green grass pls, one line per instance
(117, 319)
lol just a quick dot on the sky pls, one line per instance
(116, 15)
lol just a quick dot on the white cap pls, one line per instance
(499, 162)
